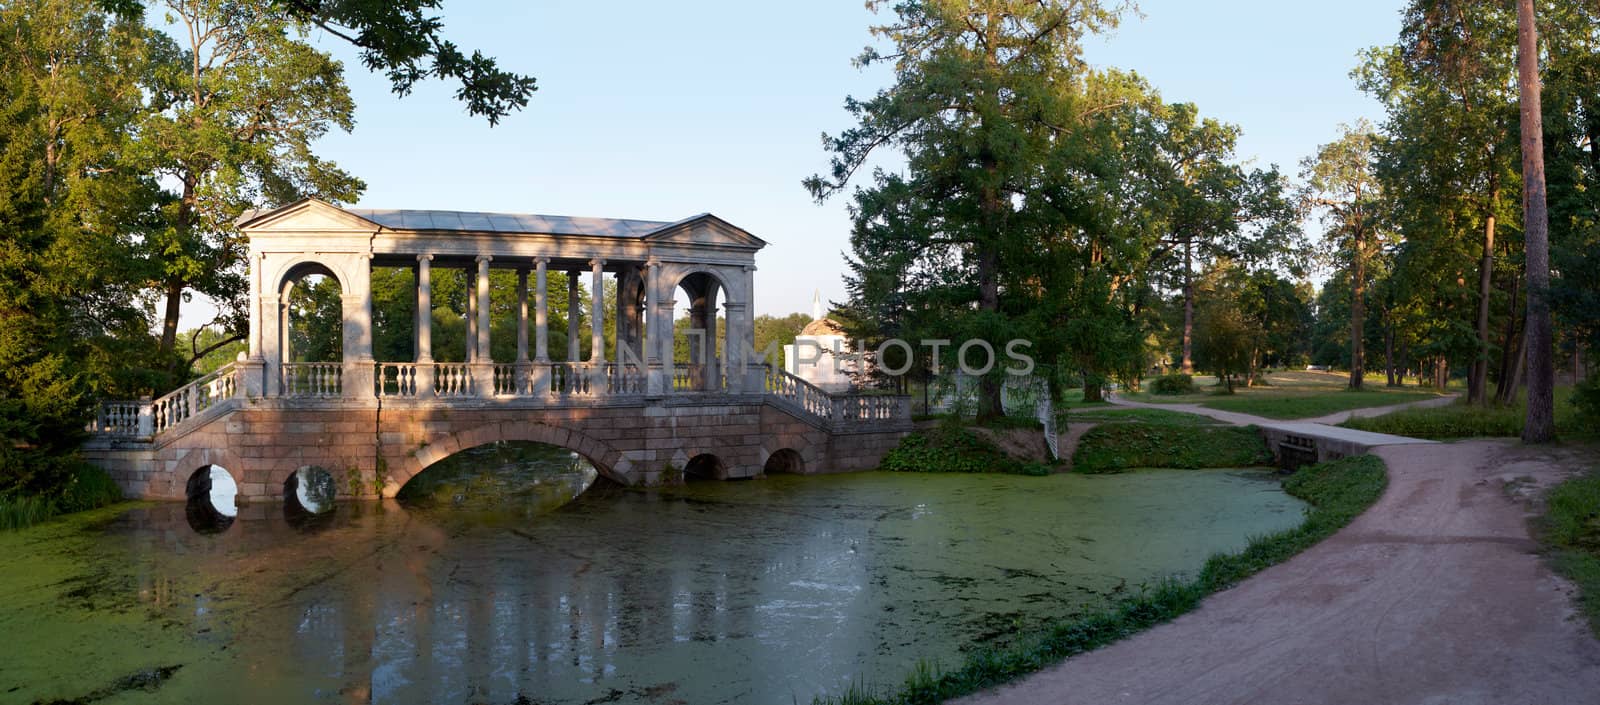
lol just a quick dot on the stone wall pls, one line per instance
(372, 451)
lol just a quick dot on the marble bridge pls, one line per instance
(639, 415)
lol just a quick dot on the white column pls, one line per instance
(541, 322)
(470, 345)
(357, 381)
(597, 332)
(522, 314)
(572, 316)
(425, 326)
(484, 355)
(424, 308)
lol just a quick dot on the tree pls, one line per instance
(1227, 334)
(70, 216)
(404, 41)
(1341, 187)
(232, 117)
(1540, 424)
(1448, 88)
(979, 92)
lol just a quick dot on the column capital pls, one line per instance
(541, 259)
(425, 258)
(481, 259)
(597, 262)
(734, 305)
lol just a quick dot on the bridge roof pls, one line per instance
(477, 221)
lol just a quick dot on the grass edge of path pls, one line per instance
(1570, 532)
(1337, 491)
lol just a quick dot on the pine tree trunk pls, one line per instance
(1188, 308)
(1540, 425)
(1478, 382)
(1388, 355)
(1358, 313)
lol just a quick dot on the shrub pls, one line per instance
(1586, 397)
(1173, 384)
(1124, 446)
(949, 447)
(1571, 528)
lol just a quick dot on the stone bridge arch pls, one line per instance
(607, 460)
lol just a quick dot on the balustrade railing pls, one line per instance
(396, 379)
(506, 381)
(119, 419)
(313, 379)
(625, 380)
(568, 379)
(132, 419)
(802, 395)
(453, 380)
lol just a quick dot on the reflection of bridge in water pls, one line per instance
(642, 418)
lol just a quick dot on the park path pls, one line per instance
(1239, 419)
(1435, 595)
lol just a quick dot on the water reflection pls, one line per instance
(211, 505)
(757, 592)
(309, 491)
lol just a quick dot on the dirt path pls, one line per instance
(1435, 595)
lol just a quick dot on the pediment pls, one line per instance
(706, 230)
(305, 215)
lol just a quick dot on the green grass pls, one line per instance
(1124, 446)
(1309, 406)
(1290, 395)
(1463, 420)
(1571, 529)
(88, 488)
(1159, 417)
(1338, 492)
(950, 447)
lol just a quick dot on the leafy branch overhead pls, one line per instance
(403, 40)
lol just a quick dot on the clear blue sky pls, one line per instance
(662, 110)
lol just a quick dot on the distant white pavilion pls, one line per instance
(820, 354)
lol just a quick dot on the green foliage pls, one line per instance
(60, 485)
(1125, 446)
(1586, 398)
(1176, 383)
(1463, 420)
(1338, 492)
(950, 447)
(1310, 406)
(1571, 528)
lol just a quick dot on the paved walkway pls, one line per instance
(1435, 595)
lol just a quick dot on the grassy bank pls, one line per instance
(1312, 405)
(88, 488)
(1571, 530)
(1337, 492)
(951, 447)
(1114, 447)
(1463, 420)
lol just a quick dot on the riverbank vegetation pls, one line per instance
(1337, 493)
(1114, 447)
(950, 446)
(1466, 420)
(1570, 529)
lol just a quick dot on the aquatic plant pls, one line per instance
(1338, 492)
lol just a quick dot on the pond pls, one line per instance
(767, 591)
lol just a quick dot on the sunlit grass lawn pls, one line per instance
(1463, 420)
(1293, 395)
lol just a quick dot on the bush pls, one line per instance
(1124, 446)
(1173, 384)
(1586, 397)
(82, 487)
(951, 448)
